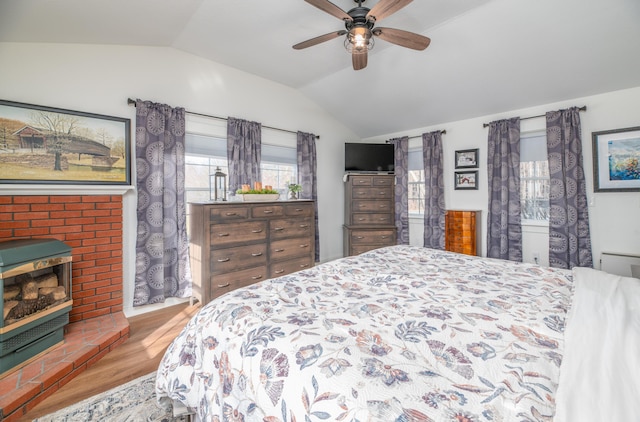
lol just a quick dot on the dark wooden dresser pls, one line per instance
(235, 244)
(462, 231)
(369, 219)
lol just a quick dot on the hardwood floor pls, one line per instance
(150, 335)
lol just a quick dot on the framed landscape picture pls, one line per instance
(616, 160)
(49, 145)
(467, 158)
(466, 180)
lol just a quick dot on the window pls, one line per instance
(204, 153)
(416, 188)
(534, 178)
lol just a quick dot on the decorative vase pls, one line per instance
(293, 195)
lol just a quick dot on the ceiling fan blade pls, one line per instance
(359, 59)
(330, 8)
(318, 40)
(384, 8)
(403, 38)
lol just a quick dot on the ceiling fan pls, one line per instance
(360, 29)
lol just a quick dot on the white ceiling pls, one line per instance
(485, 57)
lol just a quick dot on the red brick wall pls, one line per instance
(92, 226)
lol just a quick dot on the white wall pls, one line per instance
(99, 79)
(614, 217)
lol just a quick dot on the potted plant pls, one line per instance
(294, 188)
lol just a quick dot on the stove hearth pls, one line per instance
(35, 282)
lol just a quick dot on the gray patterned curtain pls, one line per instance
(569, 239)
(434, 190)
(162, 247)
(504, 229)
(307, 171)
(244, 152)
(401, 148)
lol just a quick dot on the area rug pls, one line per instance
(134, 401)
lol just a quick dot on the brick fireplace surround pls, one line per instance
(92, 226)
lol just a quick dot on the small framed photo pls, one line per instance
(466, 180)
(616, 160)
(467, 158)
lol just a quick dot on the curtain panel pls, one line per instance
(434, 208)
(162, 246)
(504, 229)
(569, 238)
(401, 165)
(307, 176)
(244, 152)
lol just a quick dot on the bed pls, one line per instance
(406, 333)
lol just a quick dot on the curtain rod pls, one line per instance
(132, 102)
(583, 108)
(444, 132)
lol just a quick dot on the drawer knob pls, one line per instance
(384, 237)
(304, 265)
(230, 214)
(278, 229)
(223, 235)
(268, 211)
(360, 219)
(278, 271)
(305, 245)
(299, 209)
(223, 285)
(256, 231)
(279, 250)
(304, 226)
(224, 260)
(256, 277)
(359, 237)
(257, 254)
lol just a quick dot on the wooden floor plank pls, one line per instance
(150, 335)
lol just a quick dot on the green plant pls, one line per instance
(257, 192)
(294, 187)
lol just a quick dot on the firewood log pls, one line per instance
(29, 290)
(46, 280)
(11, 291)
(56, 293)
(28, 307)
(8, 306)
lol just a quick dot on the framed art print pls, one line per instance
(467, 158)
(45, 145)
(616, 160)
(466, 180)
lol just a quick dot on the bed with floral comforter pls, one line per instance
(396, 334)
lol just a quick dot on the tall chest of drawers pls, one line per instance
(462, 231)
(235, 244)
(369, 219)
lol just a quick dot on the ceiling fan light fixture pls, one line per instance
(359, 39)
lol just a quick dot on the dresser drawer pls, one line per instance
(299, 210)
(230, 259)
(371, 180)
(371, 219)
(290, 266)
(290, 248)
(376, 237)
(381, 192)
(248, 231)
(293, 227)
(261, 211)
(221, 284)
(358, 249)
(224, 213)
(372, 206)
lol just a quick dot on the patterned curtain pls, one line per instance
(162, 247)
(306, 151)
(434, 190)
(504, 231)
(244, 152)
(401, 191)
(569, 239)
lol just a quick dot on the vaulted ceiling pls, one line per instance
(485, 57)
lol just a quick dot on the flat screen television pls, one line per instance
(368, 158)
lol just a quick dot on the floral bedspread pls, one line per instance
(397, 334)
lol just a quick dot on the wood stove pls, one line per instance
(35, 282)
